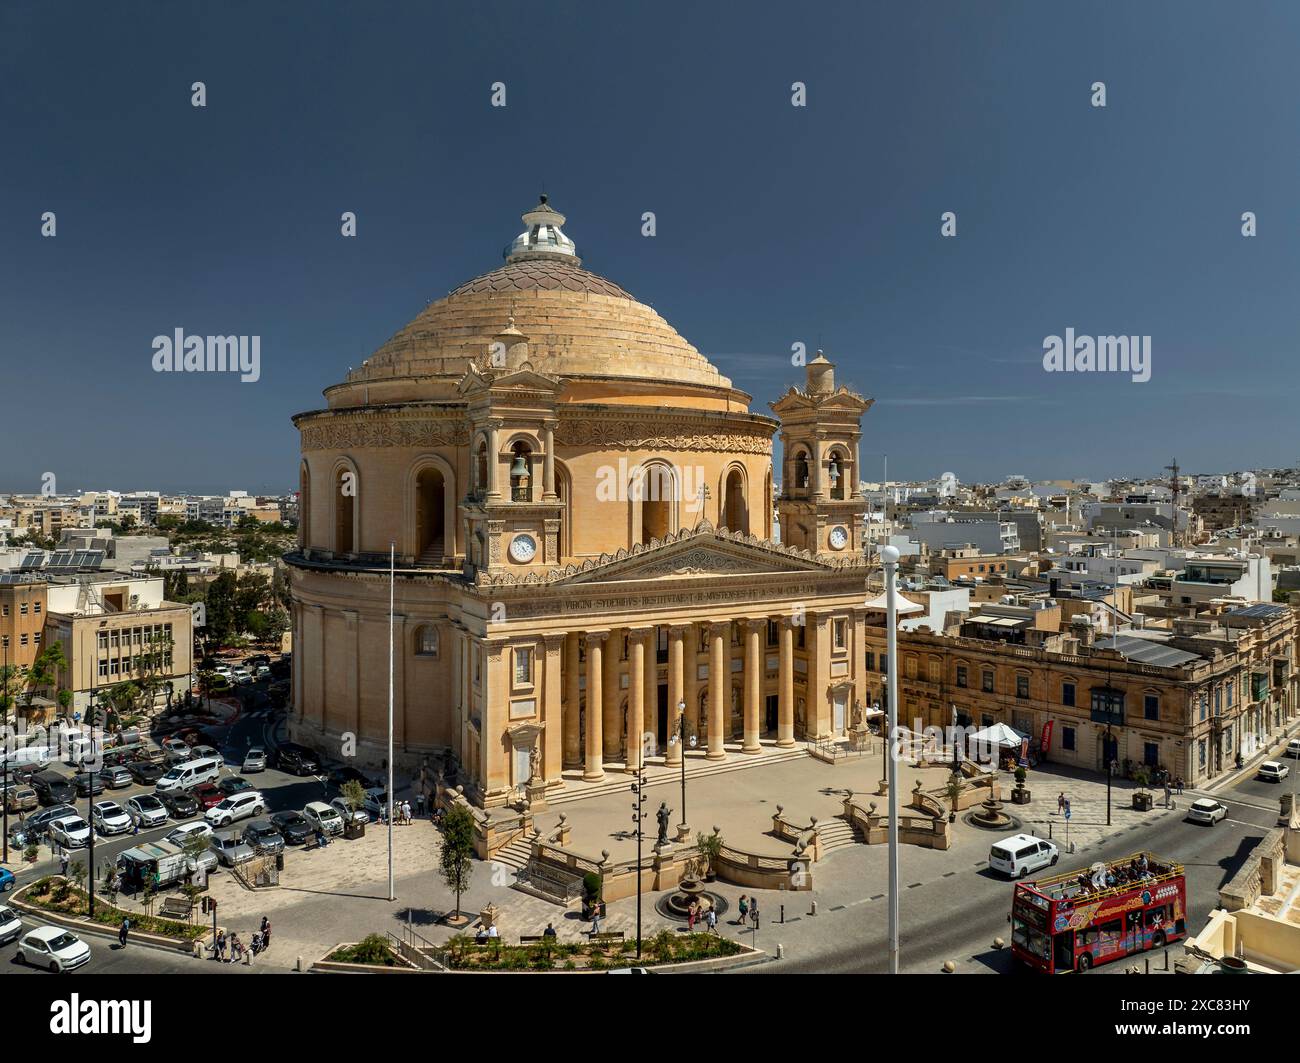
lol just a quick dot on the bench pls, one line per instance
(606, 936)
(176, 908)
(533, 939)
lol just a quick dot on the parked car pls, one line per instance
(1293, 748)
(7, 880)
(292, 826)
(224, 670)
(376, 803)
(88, 783)
(346, 773)
(71, 832)
(359, 816)
(234, 784)
(230, 847)
(188, 774)
(254, 760)
(21, 798)
(145, 772)
(186, 831)
(174, 749)
(1206, 810)
(1273, 771)
(146, 810)
(263, 837)
(52, 788)
(53, 948)
(323, 817)
(110, 818)
(38, 825)
(116, 777)
(297, 760)
(205, 752)
(241, 806)
(208, 794)
(262, 671)
(10, 925)
(179, 803)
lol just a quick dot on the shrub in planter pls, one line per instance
(31, 852)
(591, 883)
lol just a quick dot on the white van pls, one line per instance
(188, 775)
(323, 817)
(1020, 854)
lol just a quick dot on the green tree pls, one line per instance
(353, 794)
(222, 608)
(454, 862)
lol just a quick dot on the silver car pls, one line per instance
(230, 848)
(254, 760)
(146, 810)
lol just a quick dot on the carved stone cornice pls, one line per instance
(385, 428)
(656, 430)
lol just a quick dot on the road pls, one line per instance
(957, 918)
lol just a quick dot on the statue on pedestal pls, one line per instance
(663, 816)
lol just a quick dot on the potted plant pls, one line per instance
(1143, 800)
(708, 846)
(31, 852)
(591, 883)
(1019, 794)
(354, 796)
(954, 787)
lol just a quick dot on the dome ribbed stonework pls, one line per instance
(544, 276)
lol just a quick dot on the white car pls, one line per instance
(147, 811)
(53, 948)
(262, 671)
(10, 925)
(359, 816)
(240, 806)
(223, 670)
(254, 760)
(110, 818)
(71, 832)
(242, 675)
(204, 753)
(1273, 771)
(186, 831)
(1206, 810)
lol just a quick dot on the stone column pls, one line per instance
(753, 684)
(676, 689)
(594, 769)
(719, 687)
(691, 673)
(552, 710)
(548, 466)
(785, 681)
(493, 460)
(611, 723)
(635, 696)
(572, 701)
(650, 683)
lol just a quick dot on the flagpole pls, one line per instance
(889, 557)
(392, 555)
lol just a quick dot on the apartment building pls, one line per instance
(22, 618)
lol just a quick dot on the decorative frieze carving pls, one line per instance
(385, 430)
(629, 433)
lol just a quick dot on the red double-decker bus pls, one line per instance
(1076, 920)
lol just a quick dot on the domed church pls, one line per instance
(582, 512)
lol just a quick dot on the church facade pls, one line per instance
(581, 511)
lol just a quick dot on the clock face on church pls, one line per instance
(523, 548)
(839, 538)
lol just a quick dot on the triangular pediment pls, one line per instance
(699, 554)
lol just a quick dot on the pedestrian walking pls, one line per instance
(1060, 801)
(1178, 785)
(122, 931)
(236, 948)
(743, 905)
(419, 804)
(1169, 796)
(219, 946)
(255, 946)
(266, 932)
(753, 912)
(63, 864)
(595, 921)
(711, 920)
(691, 912)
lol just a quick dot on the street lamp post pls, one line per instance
(638, 817)
(889, 557)
(7, 751)
(681, 737)
(1110, 762)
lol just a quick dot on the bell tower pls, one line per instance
(820, 507)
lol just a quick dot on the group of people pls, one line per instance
(1135, 871)
(261, 941)
(748, 907)
(402, 813)
(709, 917)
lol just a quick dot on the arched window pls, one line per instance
(481, 467)
(735, 508)
(801, 470)
(657, 498)
(430, 517)
(426, 641)
(345, 509)
(839, 473)
(304, 506)
(521, 473)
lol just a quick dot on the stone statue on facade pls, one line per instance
(663, 816)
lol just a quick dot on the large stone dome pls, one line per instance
(577, 325)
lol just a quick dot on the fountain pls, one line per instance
(990, 815)
(677, 904)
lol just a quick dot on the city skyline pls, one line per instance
(225, 219)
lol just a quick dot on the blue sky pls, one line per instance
(776, 224)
